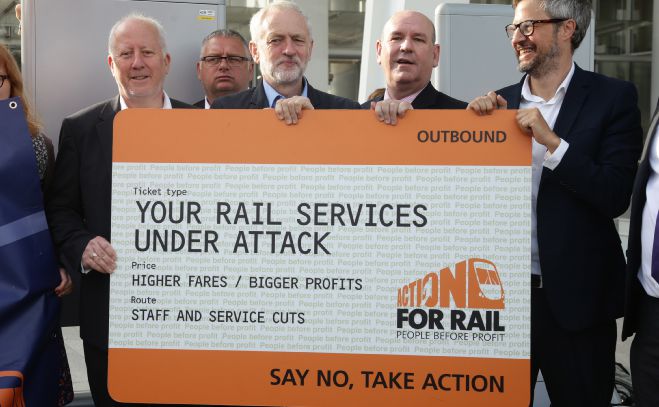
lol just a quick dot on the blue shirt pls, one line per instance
(271, 93)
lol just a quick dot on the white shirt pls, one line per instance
(166, 103)
(649, 221)
(541, 157)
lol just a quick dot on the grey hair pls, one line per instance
(577, 10)
(259, 16)
(138, 17)
(226, 33)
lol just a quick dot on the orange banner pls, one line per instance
(295, 377)
(424, 137)
(314, 379)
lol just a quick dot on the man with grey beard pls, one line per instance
(281, 44)
(586, 138)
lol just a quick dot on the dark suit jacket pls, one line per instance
(78, 205)
(634, 288)
(580, 253)
(429, 98)
(255, 98)
(200, 104)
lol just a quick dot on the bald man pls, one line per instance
(407, 53)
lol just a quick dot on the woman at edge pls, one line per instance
(11, 83)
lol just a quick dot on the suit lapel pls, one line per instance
(653, 128)
(644, 169)
(425, 98)
(575, 96)
(104, 128)
(258, 100)
(639, 194)
(314, 96)
(513, 94)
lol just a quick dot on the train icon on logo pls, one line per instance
(472, 283)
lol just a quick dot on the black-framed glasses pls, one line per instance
(232, 60)
(3, 78)
(527, 27)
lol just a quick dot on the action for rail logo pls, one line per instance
(459, 303)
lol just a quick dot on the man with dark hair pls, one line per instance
(407, 53)
(78, 202)
(281, 44)
(586, 142)
(224, 67)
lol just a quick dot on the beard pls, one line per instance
(282, 75)
(543, 63)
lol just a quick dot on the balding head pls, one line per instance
(138, 60)
(425, 23)
(407, 52)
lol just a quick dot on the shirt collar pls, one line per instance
(206, 104)
(271, 93)
(167, 103)
(562, 88)
(408, 99)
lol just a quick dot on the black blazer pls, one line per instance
(78, 205)
(429, 98)
(634, 288)
(580, 253)
(200, 104)
(255, 98)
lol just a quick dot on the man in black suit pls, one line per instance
(78, 202)
(407, 53)
(224, 67)
(586, 143)
(281, 44)
(642, 299)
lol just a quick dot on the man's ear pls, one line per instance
(435, 55)
(378, 50)
(567, 29)
(254, 50)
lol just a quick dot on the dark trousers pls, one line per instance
(96, 360)
(578, 367)
(644, 356)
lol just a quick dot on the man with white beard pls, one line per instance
(281, 44)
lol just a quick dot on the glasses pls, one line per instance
(232, 60)
(527, 27)
(3, 78)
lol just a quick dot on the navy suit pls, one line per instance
(255, 98)
(78, 209)
(642, 311)
(581, 258)
(429, 98)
